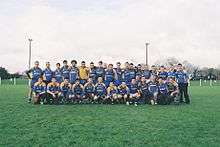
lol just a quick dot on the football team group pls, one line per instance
(104, 84)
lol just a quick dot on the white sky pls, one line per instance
(112, 30)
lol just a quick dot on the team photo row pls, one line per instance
(106, 84)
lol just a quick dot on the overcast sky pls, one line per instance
(115, 30)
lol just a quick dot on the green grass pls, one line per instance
(23, 124)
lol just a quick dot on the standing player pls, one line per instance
(47, 74)
(171, 72)
(132, 71)
(83, 73)
(162, 73)
(53, 92)
(34, 74)
(139, 71)
(92, 72)
(119, 73)
(58, 74)
(146, 72)
(182, 80)
(110, 75)
(100, 71)
(65, 70)
(39, 90)
(126, 74)
(73, 72)
(100, 91)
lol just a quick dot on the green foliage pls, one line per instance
(23, 124)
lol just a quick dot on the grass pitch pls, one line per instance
(23, 124)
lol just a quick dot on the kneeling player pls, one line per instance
(123, 92)
(39, 90)
(173, 90)
(65, 87)
(77, 92)
(100, 91)
(153, 89)
(111, 94)
(163, 96)
(53, 92)
(89, 90)
(134, 93)
(145, 94)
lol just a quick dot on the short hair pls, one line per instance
(64, 61)
(100, 62)
(91, 62)
(110, 64)
(58, 64)
(139, 65)
(131, 64)
(179, 64)
(118, 63)
(83, 62)
(36, 62)
(74, 61)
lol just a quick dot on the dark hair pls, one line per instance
(74, 61)
(100, 62)
(58, 64)
(91, 63)
(179, 64)
(83, 62)
(64, 61)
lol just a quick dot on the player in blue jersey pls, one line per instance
(123, 92)
(134, 93)
(47, 73)
(100, 91)
(100, 71)
(65, 70)
(153, 70)
(92, 72)
(34, 74)
(145, 94)
(73, 72)
(65, 89)
(126, 74)
(77, 92)
(132, 71)
(58, 74)
(139, 71)
(110, 75)
(171, 72)
(163, 93)
(39, 90)
(173, 90)
(89, 89)
(53, 92)
(182, 80)
(153, 89)
(146, 72)
(112, 94)
(119, 72)
(162, 73)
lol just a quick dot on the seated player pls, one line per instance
(77, 92)
(123, 92)
(163, 96)
(173, 90)
(65, 87)
(89, 88)
(100, 91)
(153, 89)
(134, 93)
(145, 94)
(112, 92)
(39, 90)
(53, 91)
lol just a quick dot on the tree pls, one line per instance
(4, 73)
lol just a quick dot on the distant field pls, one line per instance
(23, 124)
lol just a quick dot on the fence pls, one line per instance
(19, 81)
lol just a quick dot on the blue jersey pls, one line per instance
(100, 72)
(92, 74)
(53, 87)
(163, 75)
(126, 76)
(109, 75)
(132, 74)
(39, 87)
(171, 74)
(152, 87)
(48, 74)
(146, 74)
(65, 72)
(73, 74)
(123, 90)
(36, 73)
(100, 89)
(58, 75)
(139, 73)
(119, 73)
(144, 87)
(78, 90)
(89, 88)
(64, 88)
(181, 77)
(133, 88)
(163, 88)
